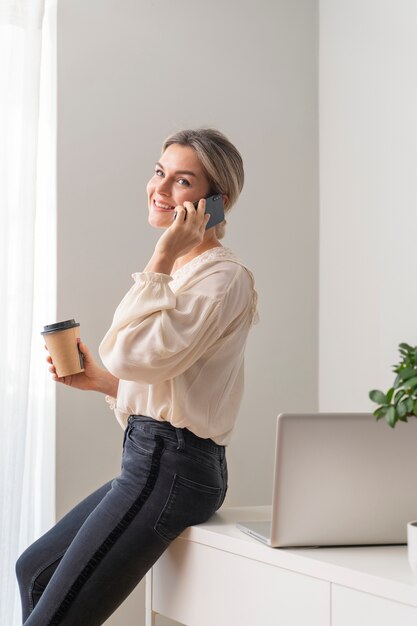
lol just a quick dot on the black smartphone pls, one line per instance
(214, 206)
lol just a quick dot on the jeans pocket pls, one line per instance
(141, 441)
(188, 503)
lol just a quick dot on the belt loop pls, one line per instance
(125, 434)
(180, 439)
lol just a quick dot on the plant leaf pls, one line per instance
(391, 416)
(410, 405)
(398, 395)
(407, 373)
(402, 409)
(380, 412)
(397, 382)
(415, 408)
(389, 394)
(378, 397)
(405, 346)
(410, 383)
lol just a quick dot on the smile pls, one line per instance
(163, 207)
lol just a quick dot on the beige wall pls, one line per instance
(129, 73)
(368, 217)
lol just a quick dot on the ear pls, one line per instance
(225, 200)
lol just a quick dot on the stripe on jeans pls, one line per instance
(112, 537)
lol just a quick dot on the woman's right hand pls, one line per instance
(94, 377)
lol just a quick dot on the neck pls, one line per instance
(210, 241)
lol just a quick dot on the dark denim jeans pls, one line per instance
(82, 569)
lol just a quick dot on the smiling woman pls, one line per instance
(220, 161)
(194, 164)
(174, 355)
(170, 187)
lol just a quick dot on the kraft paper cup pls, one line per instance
(61, 341)
(412, 545)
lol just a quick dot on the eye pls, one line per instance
(184, 182)
(159, 172)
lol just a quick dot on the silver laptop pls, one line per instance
(340, 479)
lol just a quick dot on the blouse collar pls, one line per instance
(218, 252)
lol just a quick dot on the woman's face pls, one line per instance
(178, 177)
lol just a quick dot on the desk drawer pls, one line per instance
(198, 585)
(351, 607)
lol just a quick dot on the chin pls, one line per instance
(157, 221)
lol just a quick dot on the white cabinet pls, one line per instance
(355, 608)
(215, 575)
(203, 586)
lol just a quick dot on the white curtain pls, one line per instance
(27, 283)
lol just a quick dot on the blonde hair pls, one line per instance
(221, 162)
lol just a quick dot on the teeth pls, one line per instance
(163, 206)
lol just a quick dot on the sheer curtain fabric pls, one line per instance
(27, 283)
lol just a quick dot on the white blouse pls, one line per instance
(177, 344)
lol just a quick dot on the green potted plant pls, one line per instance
(400, 401)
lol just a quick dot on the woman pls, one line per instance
(174, 356)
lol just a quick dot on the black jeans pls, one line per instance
(82, 569)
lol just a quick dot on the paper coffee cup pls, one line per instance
(61, 341)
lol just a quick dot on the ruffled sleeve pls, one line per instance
(112, 402)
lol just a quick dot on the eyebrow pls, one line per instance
(179, 171)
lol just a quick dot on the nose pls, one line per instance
(163, 187)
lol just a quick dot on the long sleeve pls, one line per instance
(156, 334)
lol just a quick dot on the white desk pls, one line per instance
(215, 575)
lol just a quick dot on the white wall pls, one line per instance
(368, 195)
(129, 73)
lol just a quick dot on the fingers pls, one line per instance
(53, 372)
(194, 211)
(180, 214)
(202, 206)
(55, 376)
(200, 212)
(187, 212)
(202, 215)
(52, 366)
(83, 348)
